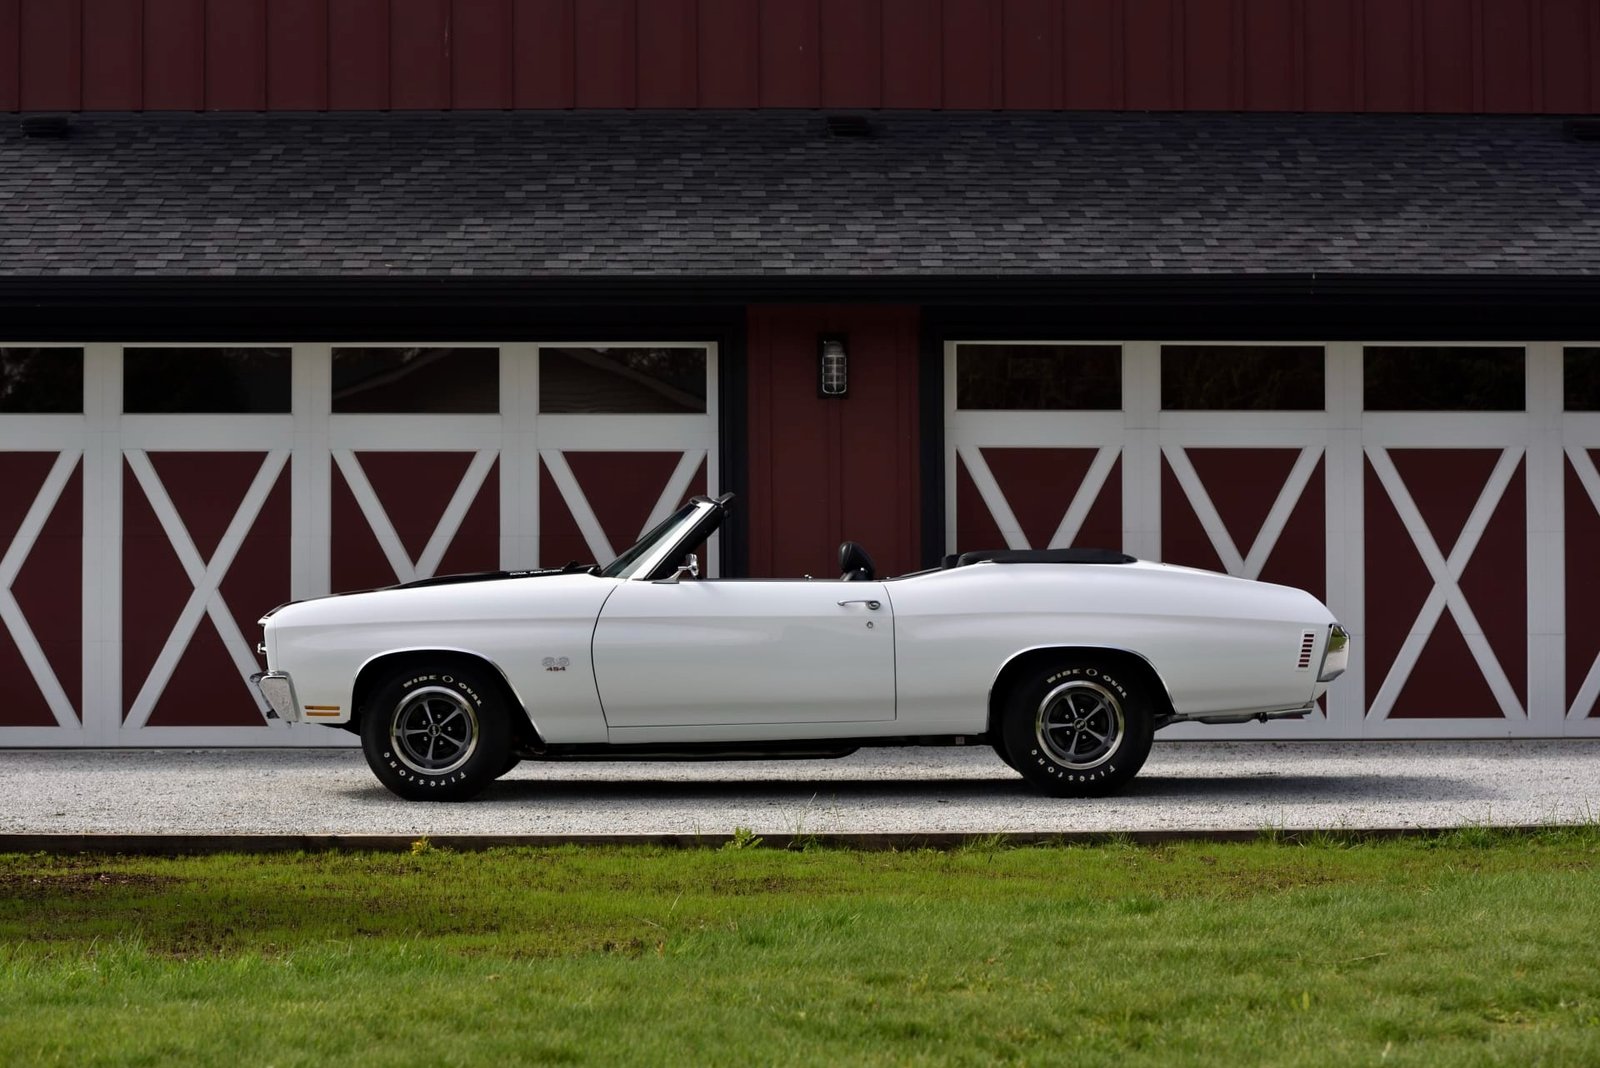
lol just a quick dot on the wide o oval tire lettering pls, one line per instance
(462, 710)
(1083, 726)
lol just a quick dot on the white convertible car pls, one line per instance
(1065, 661)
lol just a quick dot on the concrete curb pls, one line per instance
(197, 844)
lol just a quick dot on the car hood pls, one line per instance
(447, 580)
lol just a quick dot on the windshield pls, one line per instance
(661, 536)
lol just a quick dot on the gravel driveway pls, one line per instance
(1199, 786)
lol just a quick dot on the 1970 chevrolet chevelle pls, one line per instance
(1065, 661)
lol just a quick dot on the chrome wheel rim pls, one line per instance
(1080, 724)
(433, 731)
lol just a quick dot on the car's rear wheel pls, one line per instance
(437, 731)
(1078, 726)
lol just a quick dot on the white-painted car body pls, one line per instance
(595, 659)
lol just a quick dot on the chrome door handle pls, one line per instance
(873, 605)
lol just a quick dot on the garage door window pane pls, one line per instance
(1039, 377)
(41, 381)
(622, 380)
(1444, 378)
(205, 381)
(416, 380)
(1582, 380)
(1242, 378)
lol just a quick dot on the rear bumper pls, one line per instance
(278, 689)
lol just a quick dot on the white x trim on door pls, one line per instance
(44, 503)
(1446, 575)
(1248, 564)
(994, 498)
(206, 577)
(444, 532)
(583, 514)
(1589, 692)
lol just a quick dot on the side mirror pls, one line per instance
(691, 568)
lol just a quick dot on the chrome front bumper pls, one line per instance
(278, 689)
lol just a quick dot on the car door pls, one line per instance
(717, 652)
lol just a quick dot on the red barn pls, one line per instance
(312, 295)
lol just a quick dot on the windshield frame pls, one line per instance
(644, 559)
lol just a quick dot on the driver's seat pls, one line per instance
(854, 563)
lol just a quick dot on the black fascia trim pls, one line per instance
(340, 293)
(1198, 307)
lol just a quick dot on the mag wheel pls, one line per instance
(1078, 727)
(437, 732)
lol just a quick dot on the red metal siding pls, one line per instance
(297, 55)
(606, 52)
(912, 54)
(971, 77)
(1150, 76)
(419, 54)
(823, 470)
(1257, 55)
(10, 53)
(358, 54)
(669, 58)
(790, 54)
(481, 40)
(236, 55)
(852, 54)
(1332, 70)
(1092, 32)
(174, 55)
(543, 53)
(1030, 58)
(729, 66)
(112, 55)
(50, 67)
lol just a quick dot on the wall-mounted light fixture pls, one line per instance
(833, 366)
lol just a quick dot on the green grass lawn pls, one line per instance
(1475, 948)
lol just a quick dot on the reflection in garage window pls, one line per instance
(416, 380)
(1039, 377)
(1242, 378)
(622, 380)
(205, 380)
(48, 381)
(1581, 379)
(1444, 378)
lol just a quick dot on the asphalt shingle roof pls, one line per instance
(773, 193)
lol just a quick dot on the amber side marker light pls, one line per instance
(322, 710)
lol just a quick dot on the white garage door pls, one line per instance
(161, 497)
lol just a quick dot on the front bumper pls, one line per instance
(278, 689)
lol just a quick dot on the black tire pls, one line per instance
(1004, 755)
(437, 731)
(1078, 726)
(510, 765)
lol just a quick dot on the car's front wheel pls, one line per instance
(437, 732)
(1078, 727)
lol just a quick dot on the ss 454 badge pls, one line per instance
(555, 663)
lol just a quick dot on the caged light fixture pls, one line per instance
(833, 366)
